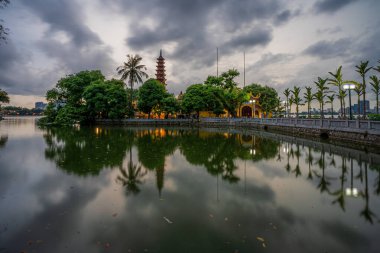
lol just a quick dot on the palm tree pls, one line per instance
(375, 83)
(331, 101)
(321, 93)
(297, 100)
(287, 94)
(131, 177)
(309, 97)
(291, 101)
(337, 80)
(133, 71)
(4, 98)
(359, 91)
(362, 69)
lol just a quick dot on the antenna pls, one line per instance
(244, 69)
(217, 62)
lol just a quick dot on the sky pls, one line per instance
(286, 43)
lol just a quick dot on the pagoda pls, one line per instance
(160, 70)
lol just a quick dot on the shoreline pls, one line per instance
(367, 140)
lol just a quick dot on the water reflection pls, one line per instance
(120, 181)
(3, 140)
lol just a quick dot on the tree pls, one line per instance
(297, 100)
(291, 101)
(151, 95)
(66, 102)
(362, 69)
(232, 99)
(133, 71)
(359, 91)
(3, 29)
(287, 94)
(309, 97)
(321, 93)
(337, 80)
(330, 100)
(4, 98)
(170, 105)
(376, 89)
(268, 96)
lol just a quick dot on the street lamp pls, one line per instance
(284, 103)
(349, 87)
(253, 102)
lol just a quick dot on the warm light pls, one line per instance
(349, 86)
(352, 192)
(252, 151)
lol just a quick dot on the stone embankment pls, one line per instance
(363, 132)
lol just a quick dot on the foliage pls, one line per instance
(309, 97)
(321, 93)
(202, 97)
(4, 98)
(287, 94)
(151, 95)
(297, 100)
(375, 83)
(374, 117)
(268, 96)
(3, 30)
(83, 97)
(105, 99)
(133, 71)
(170, 105)
(362, 69)
(337, 80)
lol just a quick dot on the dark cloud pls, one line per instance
(285, 16)
(329, 49)
(198, 27)
(331, 6)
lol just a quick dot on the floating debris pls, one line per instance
(114, 215)
(167, 220)
(260, 239)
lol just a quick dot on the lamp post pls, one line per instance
(349, 87)
(253, 103)
(284, 103)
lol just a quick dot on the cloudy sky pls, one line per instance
(287, 43)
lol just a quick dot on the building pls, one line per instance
(160, 69)
(359, 109)
(40, 105)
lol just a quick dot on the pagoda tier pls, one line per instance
(160, 69)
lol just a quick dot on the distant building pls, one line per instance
(359, 109)
(160, 69)
(40, 105)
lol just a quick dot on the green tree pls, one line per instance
(233, 99)
(291, 101)
(362, 69)
(151, 95)
(297, 100)
(170, 105)
(309, 97)
(376, 89)
(330, 100)
(4, 98)
(268, 97)
(359, 91)
(287, 94)
(321, 93)
(66, 102)
(133, 71)
(228, 78)
(337, 80)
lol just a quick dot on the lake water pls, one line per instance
(180, 190)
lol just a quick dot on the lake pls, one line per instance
(114, 189)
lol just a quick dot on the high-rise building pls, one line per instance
(40, 105)
(160, 70)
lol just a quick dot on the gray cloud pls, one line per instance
(329, 49)
(331, 6)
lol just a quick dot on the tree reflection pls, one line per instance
(323, 183)
(309, 160)
(86, 151)
(131, 177)
(3, 140)
(153, 146)
(340, 193)
(366, 212)
(297, 170)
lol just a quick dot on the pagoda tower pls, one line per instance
(160, 69)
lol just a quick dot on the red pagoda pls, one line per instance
(160, 70)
